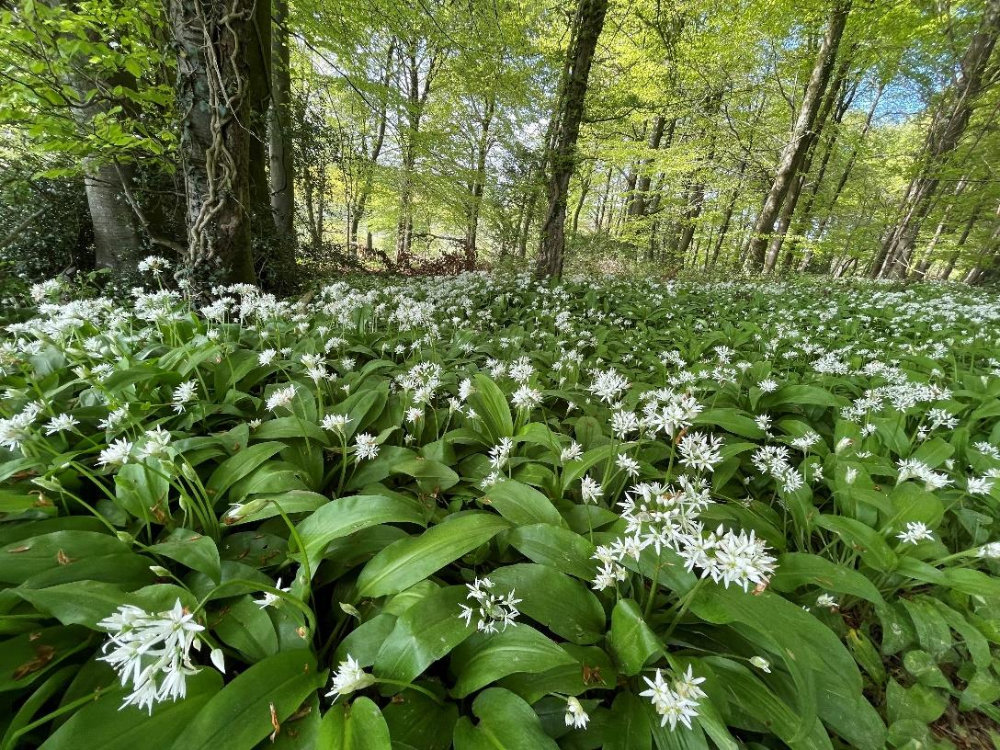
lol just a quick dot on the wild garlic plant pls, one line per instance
(736, 512)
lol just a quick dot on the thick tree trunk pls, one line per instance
(212, 80)
(281, 152)
(798, 144)
(587, 28)
(945, 134)
(117, 243)
(843, 96)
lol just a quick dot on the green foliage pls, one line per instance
(419, 515)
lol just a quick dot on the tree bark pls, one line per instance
(843, 96)
(360, 203)
(587, 28)
(416, 99)
(117, 242)
(281, 153)
(795, 150)
(946, 130)
(212, 40)
(478, 185)
(637, 207)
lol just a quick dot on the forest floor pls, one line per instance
(607, 512)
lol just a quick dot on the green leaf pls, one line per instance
(246, 627)
(25, 558)
(803, 395)
(732, 420)
(290, 427)
(632, 641)
(239, 466)
(911, 502)
(797, 569)
(826, 677)
(26, 657)
(346, 515)
(490, 404)
(488, 657)
(193, 550)
(573, 470)
(521, 504)
(432, 476)
(629, 728)
(933, 631)
(862, 539)
(104, 725)
(556, 547)
(424, 633)
(562, 604)
(403, 563)
(416, 722)
(358, 726)
(77, 603)
(239, 716)
(505, 723)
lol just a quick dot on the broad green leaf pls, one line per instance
(490, 404)
(521, 504)
(556, 547)
(563, 604)
(193, 550)
(424, 633)
(418, 723)
(630, 724)
(488, 657)
(731, 420)
(632, 641)
(240, 466)
(432, 476)
(78, 603)
(345, 515)
(239, 716)
(797, 569)
(357, 726)
(404, 563)
(245, 626)
(862, 539)
(26, 657)
(104, 725)
(505, 723)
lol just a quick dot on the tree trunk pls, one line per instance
(361, 202)
(212, 76)
(638, 205)
(799, 142)
(416, 99)
(844, 96)
(281, 151)
(587, 28)
(478, 183)
(117, 243)
(943, 137)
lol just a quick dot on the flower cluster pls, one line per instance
(491, 611)
(666, 517)
(153, 652)
(676, 702)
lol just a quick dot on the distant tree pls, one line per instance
(561, 157)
